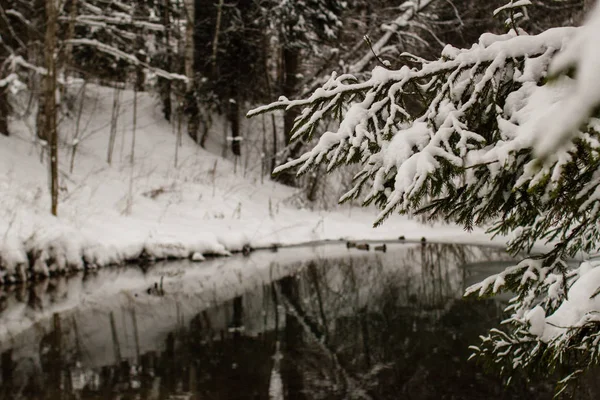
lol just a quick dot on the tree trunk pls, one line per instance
(234, 120)
(267, 50)
(166, 83)
(140, 76)
(132, 154)
(274, 131)
(191, 106)
(291, 65)
(189, 41)
(193, 112)
(50, 101)
(206, 125)
(113, 125)
(215, 43)
(3, 110)
(178, 138)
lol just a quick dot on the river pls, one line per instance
(322, 322)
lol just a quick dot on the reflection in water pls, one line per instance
(364, 326)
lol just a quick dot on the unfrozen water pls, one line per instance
(323, 322)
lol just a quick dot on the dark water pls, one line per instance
(339, 325)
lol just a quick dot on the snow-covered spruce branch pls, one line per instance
(551, 327)
(497, 135)
(454, 139)
(424, 135)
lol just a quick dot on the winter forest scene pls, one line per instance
(300, 199)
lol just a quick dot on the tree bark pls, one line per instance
(50, 101)
(113, 125)
(291, 66)
(166, 83)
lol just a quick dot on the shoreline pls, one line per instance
(28, 269)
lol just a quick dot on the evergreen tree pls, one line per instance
(504, 134)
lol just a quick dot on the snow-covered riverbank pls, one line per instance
(109, 214)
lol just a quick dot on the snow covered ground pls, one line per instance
(109, 214)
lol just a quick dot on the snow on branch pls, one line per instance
(124, 56)
(512, 5)
(8, 80)
(583, 93)
(119, 19)
(92, 8)
(125, 7)
(404, 125)
(19, 16)
(111, 29)
(18, 61)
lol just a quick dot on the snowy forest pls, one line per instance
(252, 154)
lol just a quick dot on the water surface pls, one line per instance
(304, 323)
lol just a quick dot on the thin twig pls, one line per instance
(379, 60)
